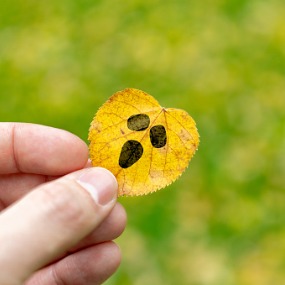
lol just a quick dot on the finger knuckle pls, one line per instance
(65, 205)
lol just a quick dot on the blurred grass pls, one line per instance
(222, 61)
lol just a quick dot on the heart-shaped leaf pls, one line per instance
(144, 145)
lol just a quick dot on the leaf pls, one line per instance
(144, 145)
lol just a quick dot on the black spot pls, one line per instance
(138, 122)
(158, 136)
(131, 152)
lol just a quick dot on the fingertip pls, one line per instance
(70, 154)
(47, 150)
(111, 228)
(109, 262)
(121, 215)
(116, 256)
(101, 184)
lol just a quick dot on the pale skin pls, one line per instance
(58, 215)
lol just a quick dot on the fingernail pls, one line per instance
(101, 185)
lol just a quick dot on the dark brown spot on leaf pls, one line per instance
(138, 122)
(131, 152)
(158, 136)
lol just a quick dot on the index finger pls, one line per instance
(30, 148)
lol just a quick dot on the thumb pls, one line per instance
(51, 219)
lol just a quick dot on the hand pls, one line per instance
(58, 217)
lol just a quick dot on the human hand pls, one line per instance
(51, 230)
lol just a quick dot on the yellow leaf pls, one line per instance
(144, 145)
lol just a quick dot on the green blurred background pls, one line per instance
(223, 222)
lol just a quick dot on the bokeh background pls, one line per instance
(223, 222)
